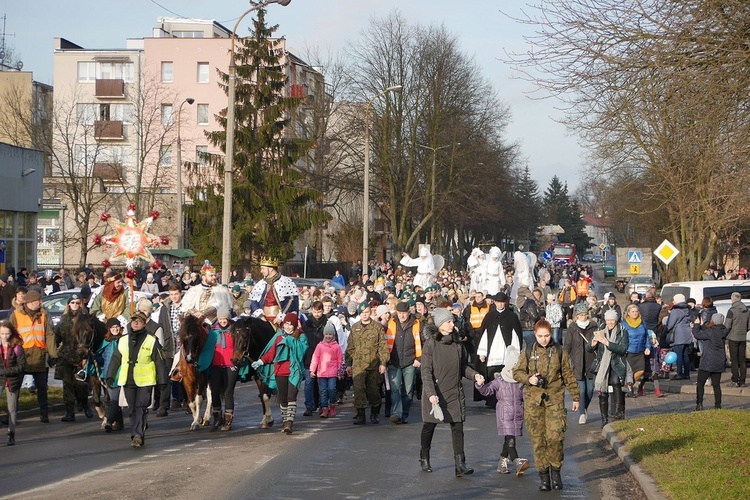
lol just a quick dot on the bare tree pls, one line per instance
(659, 92)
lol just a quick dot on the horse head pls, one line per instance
(250, 335)
(192, 337)
(83, 332)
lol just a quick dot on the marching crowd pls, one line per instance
(523, 333)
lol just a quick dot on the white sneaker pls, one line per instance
(521, 466)
(503, 465)
(582, 419)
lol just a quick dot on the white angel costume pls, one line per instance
(427, 266)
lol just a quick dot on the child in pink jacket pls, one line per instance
(325, 366)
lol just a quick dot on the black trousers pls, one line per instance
(223, 379)
(737, 360)
(703, 375)
(457, 436)
(139, 399)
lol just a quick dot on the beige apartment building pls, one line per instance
(123, 109)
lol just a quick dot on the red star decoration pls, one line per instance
(131, 239)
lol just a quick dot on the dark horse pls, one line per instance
(193, 337)
(251, 336)
(89, 335)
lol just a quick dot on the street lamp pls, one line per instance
(432, 198)
(226, 239)
(180, 225)
(366, 206)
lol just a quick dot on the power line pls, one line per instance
(170, 11)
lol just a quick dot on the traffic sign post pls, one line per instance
(635, 269)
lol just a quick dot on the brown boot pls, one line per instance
(228, 417)
(287, 427)
(331, 410)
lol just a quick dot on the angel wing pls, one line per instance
(439, 263)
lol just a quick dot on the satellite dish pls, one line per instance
(19, 65)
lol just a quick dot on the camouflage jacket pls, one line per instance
(367, 348)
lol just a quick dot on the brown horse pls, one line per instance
(251, 336)
(89, 335)
(193, 337)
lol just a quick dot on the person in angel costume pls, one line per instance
(427, 265)
(477, 265)
(523, 275)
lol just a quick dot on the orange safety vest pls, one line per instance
(582, 288)
(477, 316)
(33, 333)
(390, 336)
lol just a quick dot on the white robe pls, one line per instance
(425, 270)
(495, 277)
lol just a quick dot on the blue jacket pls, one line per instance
(637, 337)
(679, 320)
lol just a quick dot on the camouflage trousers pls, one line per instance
(74, 391)
(546, 423)
(367, 389)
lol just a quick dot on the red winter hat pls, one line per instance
(291, 318)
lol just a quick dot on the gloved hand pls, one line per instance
(257, 364)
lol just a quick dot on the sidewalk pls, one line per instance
(679, 396)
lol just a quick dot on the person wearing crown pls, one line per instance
(283, 299)
(205, 299)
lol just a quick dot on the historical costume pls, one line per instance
(205, 299)
(284, 296)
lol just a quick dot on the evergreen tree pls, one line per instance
(560, 209)
(272, 201)
(527, 208)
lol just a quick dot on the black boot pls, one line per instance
(70, 415)
(544, 480)
(218, 421)
(360, 418)
(44, 416)
(619, 403)
(375, 415)
(604, 408)
(424, 460)
(12, 440)
(461, 469)
(556, 479)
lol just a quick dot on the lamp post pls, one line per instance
(226, 240)
(180, 225)
(433, 183)
(366, 205)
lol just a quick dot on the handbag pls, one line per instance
(670, 337)
(594, 368)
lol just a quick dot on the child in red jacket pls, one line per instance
(325, 366)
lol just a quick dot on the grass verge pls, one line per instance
(27, 401)
(693, 455)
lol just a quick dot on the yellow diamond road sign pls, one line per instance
(666, 252)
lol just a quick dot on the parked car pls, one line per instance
(597, 259)
(587, 257)
(641, 285)
(716, 289)
(609, 270)
(315, 282)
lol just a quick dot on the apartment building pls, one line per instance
(127, 105)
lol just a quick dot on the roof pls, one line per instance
(596, 221)
(180, 253)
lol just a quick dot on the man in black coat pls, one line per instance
(313, 329)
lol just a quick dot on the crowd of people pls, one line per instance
(528, 332)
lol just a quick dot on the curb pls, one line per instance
(647, 483)
(690, 388)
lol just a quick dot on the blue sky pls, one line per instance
(485, 34)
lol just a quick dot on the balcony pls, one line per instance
(298, 91)
(108, 130)
(110, 89)
(108, 171)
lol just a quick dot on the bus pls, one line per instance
(565, 253)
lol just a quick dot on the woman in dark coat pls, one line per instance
(611, 347)
(577, 336)
(12, 363)
(444, 362)
(713, 359)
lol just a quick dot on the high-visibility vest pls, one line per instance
(582, 288)
(390, 337)
(144, 370)
(33, 333)
(477, 316)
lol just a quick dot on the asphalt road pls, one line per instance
(322, 459)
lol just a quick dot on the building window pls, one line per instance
(167, 71)
(87, 113)
(167, 114)
(86, 71)
(165, 156)
(116, 71)
(202, 72)
(201, 156)
(202, 114)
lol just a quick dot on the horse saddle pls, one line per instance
(176, 375)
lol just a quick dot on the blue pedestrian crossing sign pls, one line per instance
(634, 257)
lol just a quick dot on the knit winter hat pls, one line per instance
(381, 310)
(223, 312)
(329, 329)
(291, 318)
(677, 298)
(611, 314)
(717, 319)
(581, 308)
(440, 316)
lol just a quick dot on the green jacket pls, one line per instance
(367, 348)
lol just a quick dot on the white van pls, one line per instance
(716, 289)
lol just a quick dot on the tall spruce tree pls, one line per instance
(560, 209)
(272, 201)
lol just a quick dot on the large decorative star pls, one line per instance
(131, 239)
